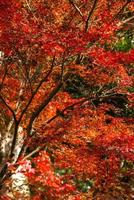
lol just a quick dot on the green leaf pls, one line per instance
(63, 171)
(84, 186)
(124, 44)
(130, 89)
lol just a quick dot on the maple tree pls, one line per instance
(66, 99)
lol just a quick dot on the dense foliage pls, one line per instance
(66, 99)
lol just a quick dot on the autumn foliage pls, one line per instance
(66, 99)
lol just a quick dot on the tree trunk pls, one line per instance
(17, 187)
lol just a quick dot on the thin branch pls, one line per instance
(51, 137)
(36, 90)
(3, 79)
(90, 14)
(62, 66)
(76, 8)
(121, 10)
(106, 94)
(46, 139)
(28, 79)
(30, 9)
(126, 21)
(67, 108)
(28, 104)
(9, 108)
(36, 113)
(33, 152)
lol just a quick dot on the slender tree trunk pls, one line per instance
(18, 188)
(6, 141)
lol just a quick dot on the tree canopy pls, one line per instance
(66, 99)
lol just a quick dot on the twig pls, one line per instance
(36, 113)
(76, 7)
(36, 90)
(126, 21)
(28, 5)
(33, 152)
(11, 110)
(67, 108)
(90, 14)
(121, 10)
